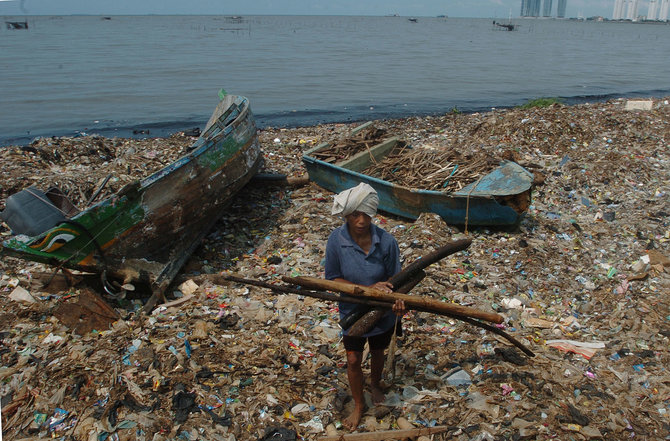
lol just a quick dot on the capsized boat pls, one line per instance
(499, 198)
(147, 230)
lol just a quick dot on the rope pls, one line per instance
(390, 357)
(467, 203)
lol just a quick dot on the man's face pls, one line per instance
(359, 222)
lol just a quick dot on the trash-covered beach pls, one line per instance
(583, 283)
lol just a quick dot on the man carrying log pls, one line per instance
(362, 253)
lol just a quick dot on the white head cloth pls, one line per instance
(361, 198)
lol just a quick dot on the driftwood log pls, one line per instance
(406, 280)
(429, 259)
(366, 318)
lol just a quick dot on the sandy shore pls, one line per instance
(583, 283)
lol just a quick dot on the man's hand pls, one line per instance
(399, 308)
(383, 286)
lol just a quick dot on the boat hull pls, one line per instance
(498, 199)
(149, 229)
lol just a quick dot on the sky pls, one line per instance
(419, 8)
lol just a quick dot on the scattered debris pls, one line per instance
(226, 361)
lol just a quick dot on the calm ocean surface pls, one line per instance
(162, 73)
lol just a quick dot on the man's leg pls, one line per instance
(355, 374)
(376, 370)
(378, 345)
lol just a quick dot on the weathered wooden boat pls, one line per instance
(499, 198)
(148, 230)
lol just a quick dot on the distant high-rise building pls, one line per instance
(651, 12)
(546, 8)
(560, 11)
(663, 11)
(530, 8)
(535, 8)
(631, 13)
(618, 13)
(524, 8)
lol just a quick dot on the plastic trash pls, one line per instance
(459, 378)
(409, 392)
(30, 212)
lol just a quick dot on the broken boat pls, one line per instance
(498, 199)
(147, 230)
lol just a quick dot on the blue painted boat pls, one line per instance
(498, 199)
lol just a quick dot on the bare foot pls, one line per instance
(377, 395)
(351, 422)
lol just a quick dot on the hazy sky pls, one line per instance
(452, 8)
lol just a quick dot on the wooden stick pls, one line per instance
(383, 435)
(411, 301)
(363, 301)
(303, 292)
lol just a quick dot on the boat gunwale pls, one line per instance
(198, 148)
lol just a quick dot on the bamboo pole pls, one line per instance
(411, 301)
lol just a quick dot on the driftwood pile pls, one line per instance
(425, 167)
(348, 146)
(429, 169)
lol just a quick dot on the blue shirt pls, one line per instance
(346, 260)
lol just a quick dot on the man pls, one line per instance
(362, 253)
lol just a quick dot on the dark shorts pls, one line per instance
(379, 341)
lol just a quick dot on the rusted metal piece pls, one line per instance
(88, 313)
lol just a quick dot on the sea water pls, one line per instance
(153, 75)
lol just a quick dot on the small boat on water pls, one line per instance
(504, 26)
(145, 232)
(16, 24)
(499, 198)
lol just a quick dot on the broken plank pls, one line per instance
(384, 435)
